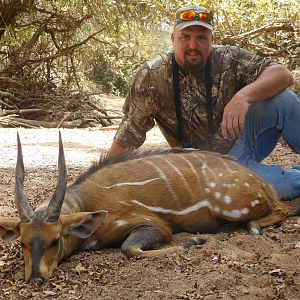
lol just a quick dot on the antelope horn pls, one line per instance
(57, 198)
(26, 213)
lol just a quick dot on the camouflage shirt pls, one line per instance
(151, 99)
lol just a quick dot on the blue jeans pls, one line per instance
(265, 123)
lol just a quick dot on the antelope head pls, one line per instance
(43, 232)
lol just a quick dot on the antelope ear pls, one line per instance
(9, 228)
(82, 224)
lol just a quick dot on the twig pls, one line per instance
(63, 119)
(227, 22)
(110, 117)
(265, 28)
(8, 95)
(74, 70)
(45, 124)
(6, 112)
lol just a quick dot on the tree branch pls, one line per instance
(263, 29)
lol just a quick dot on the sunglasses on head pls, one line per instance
(190, 15)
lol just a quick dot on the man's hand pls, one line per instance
(234, 116)
(270, 82)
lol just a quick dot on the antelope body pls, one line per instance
(137, 200)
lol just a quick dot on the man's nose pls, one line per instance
(193, 43)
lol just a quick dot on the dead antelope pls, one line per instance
(137, 200)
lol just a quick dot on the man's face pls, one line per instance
(192, 47)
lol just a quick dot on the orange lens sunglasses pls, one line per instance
(189, 15)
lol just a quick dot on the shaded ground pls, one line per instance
(230, 265)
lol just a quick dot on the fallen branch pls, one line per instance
(8, 95)
(19, 122)
(63, 119)
(110, 117)
(6, 112)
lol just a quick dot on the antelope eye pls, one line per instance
(55, 243)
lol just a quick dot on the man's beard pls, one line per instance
(193, 68)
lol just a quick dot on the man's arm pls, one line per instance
(269, 83)
(138, 114)
(117, 148)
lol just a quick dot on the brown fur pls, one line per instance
(148, 196)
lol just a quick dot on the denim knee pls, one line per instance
(278, 116)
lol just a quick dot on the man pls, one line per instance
(216, 98)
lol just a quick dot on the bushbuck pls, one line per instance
(136, 200)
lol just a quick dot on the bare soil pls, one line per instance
(230, 265)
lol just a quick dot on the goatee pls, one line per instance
(193, 69)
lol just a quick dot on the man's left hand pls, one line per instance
(234, 117)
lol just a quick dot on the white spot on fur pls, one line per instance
(236, 214)
(227, 200)
(236, 180)
(246, 184)
(212, 184)
(254, 203)
(251, 175)
(207, 190)
(216, 209)
(221, 174)
(121, 222)
(205, 170)
(228, 185)
(245, 211)
(217, 195)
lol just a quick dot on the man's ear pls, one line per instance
(82, 224)
(172, 37)
(9, 228)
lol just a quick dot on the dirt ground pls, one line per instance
(230, 265)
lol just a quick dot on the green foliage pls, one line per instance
(111, 76)
(106, 41)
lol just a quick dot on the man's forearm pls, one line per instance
(116, 148)
(271, 81)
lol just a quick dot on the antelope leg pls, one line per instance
(278, 215)
(143, 240)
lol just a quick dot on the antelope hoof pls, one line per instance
(254, 229)
(193, 242)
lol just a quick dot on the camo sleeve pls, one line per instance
(138, 113)
(250, 65)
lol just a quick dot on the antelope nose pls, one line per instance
(37, 280)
